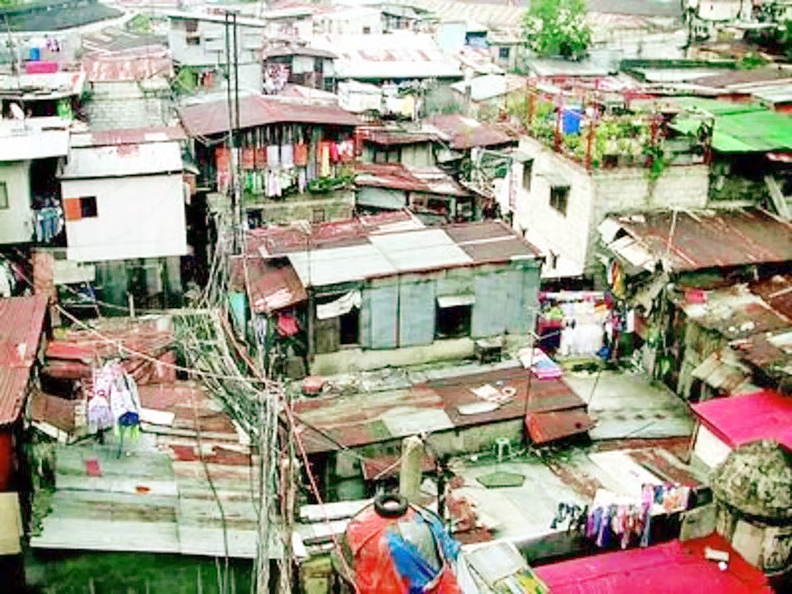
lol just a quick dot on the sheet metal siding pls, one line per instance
(488, 312)
(379, 317)
(381, 197)
(524, 319)
(416, 313)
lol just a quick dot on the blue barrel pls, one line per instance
(570, 121)
(35, 54)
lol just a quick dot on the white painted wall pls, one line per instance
(566, 236)
(709, 448)
(16, 222)
(592, 197)
(138, 217)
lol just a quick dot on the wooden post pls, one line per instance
(410, 475)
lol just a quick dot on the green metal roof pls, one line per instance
(739, 128)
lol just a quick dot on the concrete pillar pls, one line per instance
(410, 475)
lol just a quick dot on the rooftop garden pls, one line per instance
(597, 141)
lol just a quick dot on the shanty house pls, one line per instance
(123, 201)
(21, 324)
(709, 294)
(296, 157)
(29, 153)
(387, 290)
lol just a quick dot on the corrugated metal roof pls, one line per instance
(42, 86)
(746, 418)
(464, 132)
(397, 55)
(367, 418)
(258, 110)
(21, 323)
(371, 255)
(25, 141)
(709, 239)
(157, 494)
(550, 426)
(271, 284)
(745, 130)
(123, 160)
(127, 136)
(490, 86)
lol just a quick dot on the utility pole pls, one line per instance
(232, 78)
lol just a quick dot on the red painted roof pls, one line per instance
(670, 568)
(21, 323)
(258, 110)
(746, 418)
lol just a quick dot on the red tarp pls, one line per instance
(746, 418)
(670, 568)
(373, 564)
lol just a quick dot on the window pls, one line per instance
(366, 30)
(349, 327)
(503, 53)
(191, 25)
(88, 207)
(3, 196)
(453, 316)
(527, 171)
(318, 215)
(193, 41)
(559, 196)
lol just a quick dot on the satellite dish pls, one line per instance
(17, 112)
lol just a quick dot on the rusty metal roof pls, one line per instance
(551, 426)
(21, 324)
(776, 291)
(351, 251)
(700, 239)
(396, 176)
(464, 132)
(271, 283)
(387, 137)
(258, 110)
(364, 419)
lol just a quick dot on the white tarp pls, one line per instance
(338, 307)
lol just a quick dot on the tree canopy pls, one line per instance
(557, 28)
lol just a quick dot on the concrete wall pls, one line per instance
(333, 206)
(126, 104)
(210, 49)
(566, 235)
(593, 196)
(16, 222)
(138, 217)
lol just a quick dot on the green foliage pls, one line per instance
(750, 61)
(557, 28)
